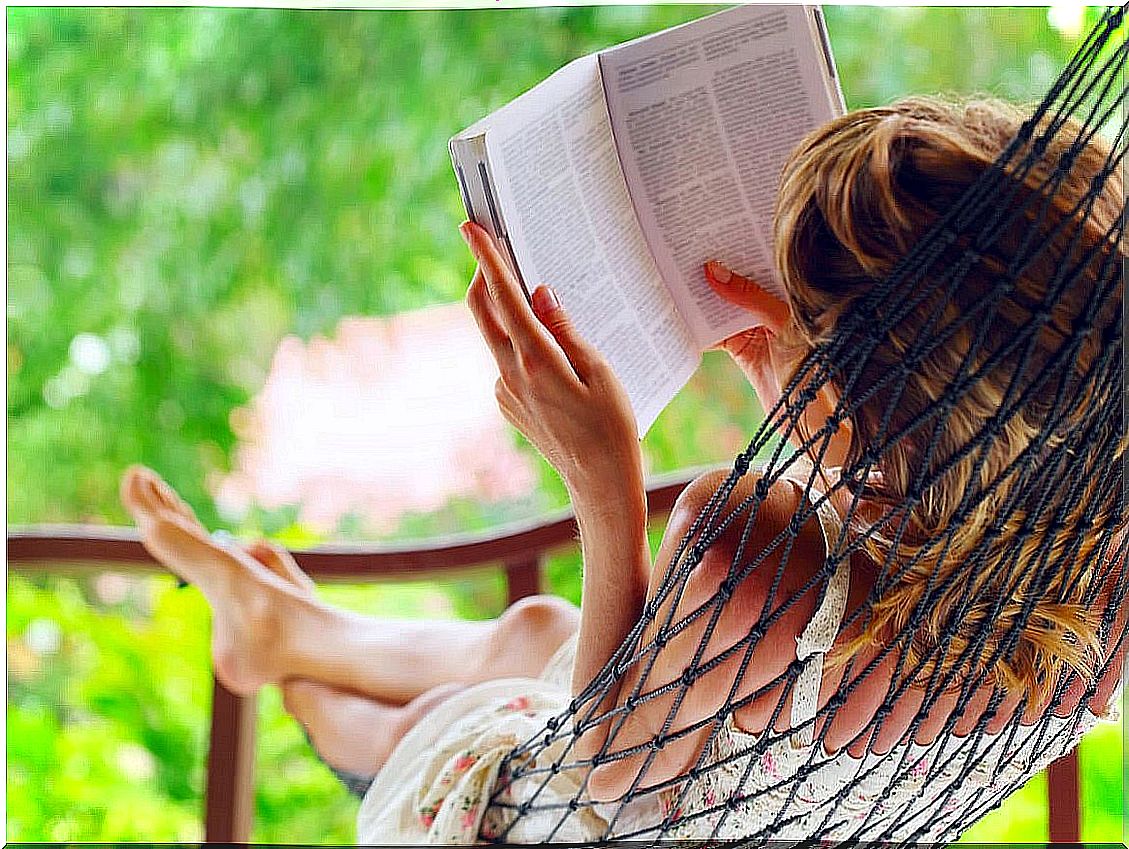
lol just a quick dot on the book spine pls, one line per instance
(476, 185)
(828, 57)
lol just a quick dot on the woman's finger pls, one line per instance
(582, 356)
(478, 300)
(745, 292)
(529, 337)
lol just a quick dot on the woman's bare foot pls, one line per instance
(248, 599)
(282, 563)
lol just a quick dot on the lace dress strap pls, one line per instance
(819, 635)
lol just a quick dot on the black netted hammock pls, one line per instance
(1057, 511)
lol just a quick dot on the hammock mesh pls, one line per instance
(1056, 529)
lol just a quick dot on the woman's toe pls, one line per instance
(135, 489)
(170, 499)
(283, 563)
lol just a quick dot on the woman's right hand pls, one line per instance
(765, 309)
(751, 349)
(759, 357)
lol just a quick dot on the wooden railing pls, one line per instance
(519, 550)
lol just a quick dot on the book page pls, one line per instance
(571, 224)
(704, 117)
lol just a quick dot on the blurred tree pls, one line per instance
(185, 187)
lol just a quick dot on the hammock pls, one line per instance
(1055, 511)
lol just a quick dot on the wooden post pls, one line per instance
(523, 578)
(230, 794)
(1064, 800)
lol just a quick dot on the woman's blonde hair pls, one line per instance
(856, 195)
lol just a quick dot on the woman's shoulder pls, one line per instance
(753, 555)
(702, 629)
(776, 508)
(753, 523)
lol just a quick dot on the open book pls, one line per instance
(619, 176)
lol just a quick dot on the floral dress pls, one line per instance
(437, 785)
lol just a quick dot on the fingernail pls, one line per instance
(464, 231)
(718, 272)
(549, 300)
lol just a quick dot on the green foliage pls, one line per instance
(106, 728)
(187, 186)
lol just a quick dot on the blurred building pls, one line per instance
(392, 416)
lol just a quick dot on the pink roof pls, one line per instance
(394, 415)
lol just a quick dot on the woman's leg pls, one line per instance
(354, 734)
(267, 629)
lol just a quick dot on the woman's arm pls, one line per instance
(562, 395)
(617, 565)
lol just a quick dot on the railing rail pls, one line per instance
(518, 549)
(95, 545)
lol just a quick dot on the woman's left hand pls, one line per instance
(751, 349)
(554, 387)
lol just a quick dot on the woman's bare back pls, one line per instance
(795, 593)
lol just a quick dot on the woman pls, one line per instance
(432, 708)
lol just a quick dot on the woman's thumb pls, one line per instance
(747, 293)
(733, 287)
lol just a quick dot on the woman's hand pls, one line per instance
(554, 387)
(751, 349)
(765, 309)
(757, 355)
